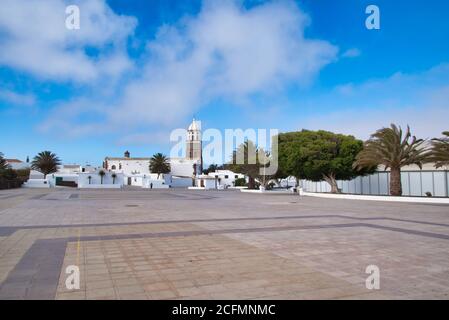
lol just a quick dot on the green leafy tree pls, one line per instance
(101, 173)
(319, 155)
(440, 151)
(23, 174)
(159, 164)
(240, 182)
(45, 162)
(3, 164)
(292, 154)
(211, 168)
(392, 149)
(8, 174)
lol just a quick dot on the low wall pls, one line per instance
(269, 192)
(378, 198)
(95, 180)
(37, 183)
(100, 186)
(154, 184)
(181, 182)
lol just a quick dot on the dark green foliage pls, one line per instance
(45, 162)
(101, 173)
(440, 150)
(3, 164)
(9, 178)
(312, 154)
(8, 174)
(159, 164)
(23, 173)
(240, 182)
(390, 148)
(212, 168)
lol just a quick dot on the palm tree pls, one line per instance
(440, 150)
(159, 164)
(101, 173)
(45, 162)
(113, 178)
(388, 147)
(3, 164)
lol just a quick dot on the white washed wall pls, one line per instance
(83, 180)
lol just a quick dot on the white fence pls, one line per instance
(414, 183)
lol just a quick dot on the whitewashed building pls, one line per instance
(219, 179)
(93, 180)
(119, 171)
(17, 164)
(133, 169)
(226, 178)
(136, 171)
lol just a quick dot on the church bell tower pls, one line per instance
(194, 145)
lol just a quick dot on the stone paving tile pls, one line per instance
(243, 271)
(402, 259)
(179, 244)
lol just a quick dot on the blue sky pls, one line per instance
(138, 69)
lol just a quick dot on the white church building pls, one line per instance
(117, 172)
(136, 171)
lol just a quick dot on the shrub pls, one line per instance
(8, 174)
(240, 182)
(9, 179)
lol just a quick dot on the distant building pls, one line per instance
(127, 165)
(226, 178)
(137, 170)
(17, 164)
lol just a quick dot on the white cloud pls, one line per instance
(34, 39)
(152, 137)
(224, 52)
(230, 53)
(351, 53)
(17, 98)
(420, 100)
(79, 117)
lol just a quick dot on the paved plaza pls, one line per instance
(180, 244)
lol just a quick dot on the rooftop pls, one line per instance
(14, 161)
(124, 158)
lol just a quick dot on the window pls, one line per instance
(119, 165)
(226, 176)
(236, 176)
(113, 167)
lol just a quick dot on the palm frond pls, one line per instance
(440, 150)
(392, 148)
(45, 162)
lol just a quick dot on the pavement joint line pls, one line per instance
(8, 230)
(9, 196)
(51, 252)
(78, 246)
